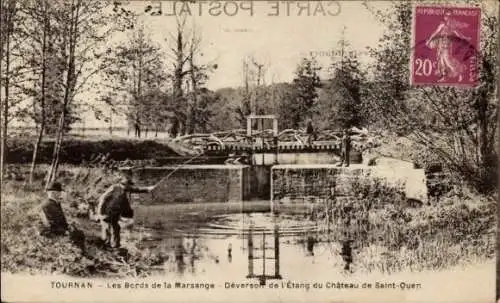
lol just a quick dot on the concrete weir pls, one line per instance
(299, 183)
(292, 184)
(194, 183)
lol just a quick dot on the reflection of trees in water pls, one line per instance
(185, 251)
(179, 253)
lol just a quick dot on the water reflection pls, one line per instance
(264, 251)
(253, 246)
(179, 254)
(229, 252)
(310, 245)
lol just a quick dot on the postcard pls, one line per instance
(249, 151)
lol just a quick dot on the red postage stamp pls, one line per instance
(446, 44)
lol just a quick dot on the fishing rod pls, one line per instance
(177, 168)
(191, 159)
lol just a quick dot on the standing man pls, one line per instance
(346, 148)
(54, 221)
(113, 204)
(311, 135)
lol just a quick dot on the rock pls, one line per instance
(393, 163)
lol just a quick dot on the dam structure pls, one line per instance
(274, 172)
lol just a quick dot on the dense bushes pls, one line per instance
(390, 235)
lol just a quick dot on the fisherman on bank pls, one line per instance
(54, 221)
(113, 204)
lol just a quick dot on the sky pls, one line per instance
(278, 38)
(279, 41)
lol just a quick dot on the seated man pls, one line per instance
(53, 219)
(113, 204)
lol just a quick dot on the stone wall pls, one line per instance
(295, 183)
(194, 184)
(298, 183)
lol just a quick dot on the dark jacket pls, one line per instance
(309, 128)
(52, 216)
(114, 203)
(346, 143)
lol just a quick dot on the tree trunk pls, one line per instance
(35, 151)
(111, 123)
(194, 87)
(3, 148)
(178, 75)
(42, 101)
(485, 154)
(68, 92)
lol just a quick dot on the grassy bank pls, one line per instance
(392, 235)
(23, 250)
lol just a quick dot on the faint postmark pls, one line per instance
(446, 43)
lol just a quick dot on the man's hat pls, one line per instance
(55, 186)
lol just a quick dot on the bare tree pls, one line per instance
(9, 10)
(84, 26)
(42, 60)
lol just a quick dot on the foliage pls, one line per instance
(135, 73)
(341, 99)
(389, 235)
(304, 95)
(456, 124)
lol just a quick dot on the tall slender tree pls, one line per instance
(305, 94)
(84, 26)
(10, 22)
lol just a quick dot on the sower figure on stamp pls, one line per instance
(54, 221)
(346, 148)
(443, 38)
(113, 204)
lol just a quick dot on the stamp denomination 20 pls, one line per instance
(446, 43)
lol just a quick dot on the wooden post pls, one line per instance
(250, 254)
(264, 254)
(275, 135)
(276, 252)
(249, 126)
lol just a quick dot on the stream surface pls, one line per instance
(220, 247)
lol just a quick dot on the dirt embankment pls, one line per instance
(24, 250)
(78, 151)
